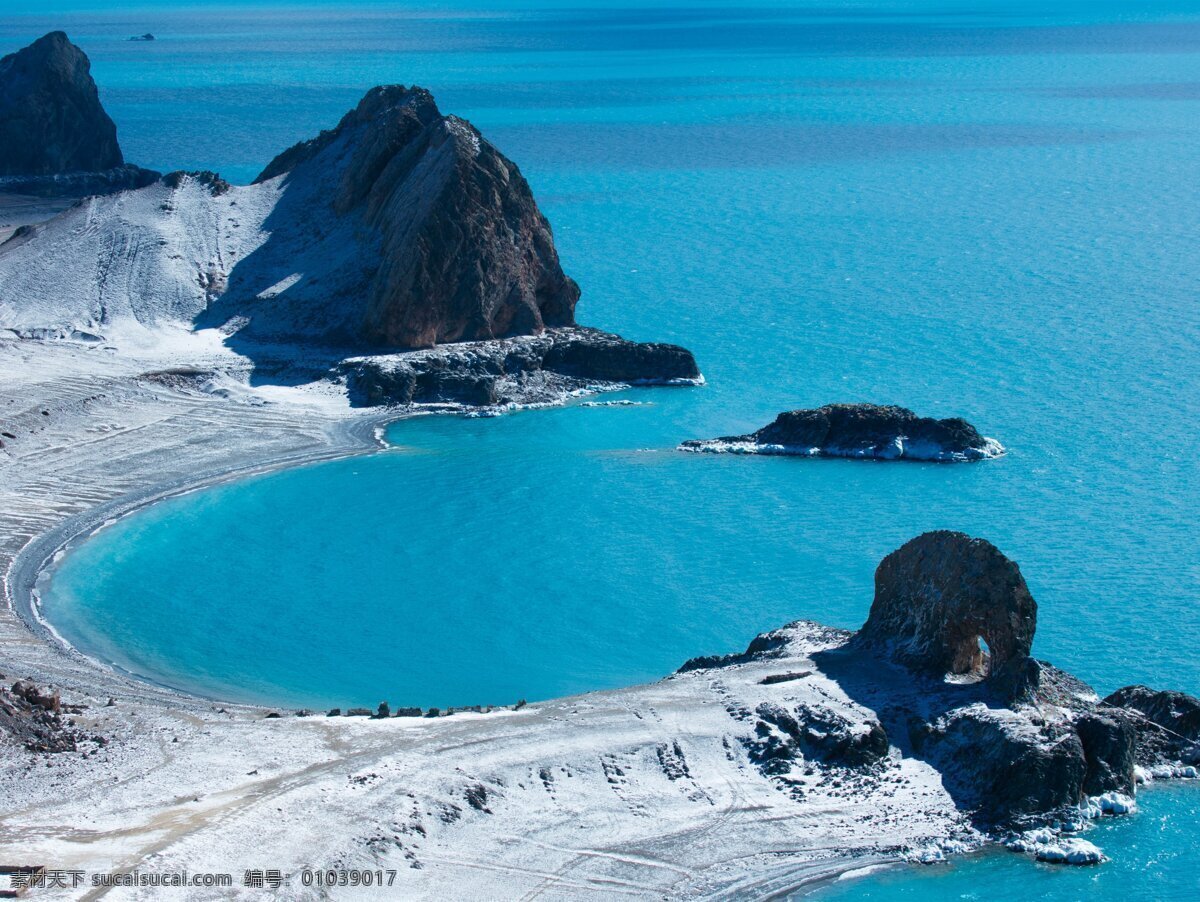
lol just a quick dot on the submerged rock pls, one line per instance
(51, 120)
(867, 431)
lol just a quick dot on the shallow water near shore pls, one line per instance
(977, 210)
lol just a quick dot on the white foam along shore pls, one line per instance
(640, 792)
(898, 449)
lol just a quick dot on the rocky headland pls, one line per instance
(388, 252)
(860, 431)
(55, 137)
(943, 663)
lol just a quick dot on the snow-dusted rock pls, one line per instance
(861, 431)
(1069, 850)
(943, 592)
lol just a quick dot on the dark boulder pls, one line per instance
(868, 431)
(939, 594)
(1109, 742)
(51, 120)
(997, 767)
(1167, 723)
(47, 699)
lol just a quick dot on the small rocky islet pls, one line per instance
(55, 136)
(859, 431)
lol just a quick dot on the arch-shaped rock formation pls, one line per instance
(937, 595)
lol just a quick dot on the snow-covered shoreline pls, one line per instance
(583, 794)
(653, 790)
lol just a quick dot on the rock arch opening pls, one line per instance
(953, 606)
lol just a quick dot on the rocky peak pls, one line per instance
(51, 120)
(463, 253)
(941, 593)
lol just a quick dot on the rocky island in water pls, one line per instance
(862, 431)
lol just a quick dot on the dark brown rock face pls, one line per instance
(870, 431)
(461, 251)
(1167, 723)
(51, 120)
(1109, 745)
(516, 371)
(939, 594)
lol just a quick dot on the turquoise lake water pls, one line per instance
(977, 209)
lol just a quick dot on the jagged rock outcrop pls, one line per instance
(939, 594)
(460, 250)
(34, 717)
(1015, 741)
(51, 120)
(524, 370)
(866, 431)
(1166, 723)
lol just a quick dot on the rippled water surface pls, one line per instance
(986, 210)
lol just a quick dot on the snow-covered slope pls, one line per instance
(400, 228)
(130, 261)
